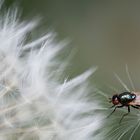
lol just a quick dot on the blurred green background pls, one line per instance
(105, 33)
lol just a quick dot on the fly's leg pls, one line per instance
(112, 106)
(137, 107)
(114, 110)
(125, 114)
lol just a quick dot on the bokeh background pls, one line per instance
(105, 34)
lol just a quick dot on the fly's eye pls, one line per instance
(115, 100)
(115, 97)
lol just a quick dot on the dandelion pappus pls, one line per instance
(125, 99)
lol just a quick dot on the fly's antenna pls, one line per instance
(129, 77)
(122, 83)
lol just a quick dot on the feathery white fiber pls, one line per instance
(34, 103)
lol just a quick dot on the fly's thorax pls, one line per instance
(126, 97)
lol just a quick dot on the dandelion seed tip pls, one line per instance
(92, 70)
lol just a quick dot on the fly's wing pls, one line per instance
(136, 102)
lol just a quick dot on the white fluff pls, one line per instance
(34, 103)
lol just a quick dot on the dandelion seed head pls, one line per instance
(34, 102)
